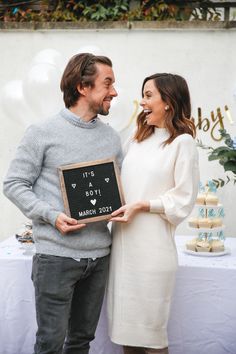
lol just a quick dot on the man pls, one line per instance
(71, 261)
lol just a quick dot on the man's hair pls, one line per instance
(81, 70)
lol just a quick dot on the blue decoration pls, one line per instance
(201, 187)
(16, 9)
(201, 236)
(201, 212)
(221, 213)
(211, 213)
(212, 186)
(221, 235)
(209, 236)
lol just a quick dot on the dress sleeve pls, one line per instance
(177, 203)
(22, 174)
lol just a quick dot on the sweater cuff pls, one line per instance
(52, 217)
(156, 206)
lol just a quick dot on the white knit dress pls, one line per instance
(144, 258)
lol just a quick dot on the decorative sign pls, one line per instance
(91, 191)
(213, 123)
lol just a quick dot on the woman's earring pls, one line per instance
(167, 108)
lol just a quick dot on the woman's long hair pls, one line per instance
(175, 93)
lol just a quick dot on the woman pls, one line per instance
(160, 179)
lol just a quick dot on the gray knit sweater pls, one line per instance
(33, 185)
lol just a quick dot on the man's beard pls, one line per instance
(98, 109)
(102, 111)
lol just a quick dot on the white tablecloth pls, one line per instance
(203, 314)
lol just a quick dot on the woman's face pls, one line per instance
(153, 104)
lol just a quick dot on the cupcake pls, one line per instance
(211, 199)
(201, 199)
(193, 222)
(217, 222)
(205, 223)
(203, 246)
(217, 246)
(191, 245)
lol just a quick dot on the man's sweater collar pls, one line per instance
(77, 121)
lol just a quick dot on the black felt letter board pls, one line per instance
(91, 191)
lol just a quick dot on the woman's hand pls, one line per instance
(65, 224)
(127, 212)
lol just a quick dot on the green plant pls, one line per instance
(107, 10)
(103, 12)
(226, 155)
(179, 10)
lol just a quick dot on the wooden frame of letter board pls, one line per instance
(85, 164)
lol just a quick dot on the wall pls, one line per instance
(29, 82)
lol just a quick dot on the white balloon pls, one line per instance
(41, 87)
(14, 104)
(49, 56)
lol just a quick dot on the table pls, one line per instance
(203, 313)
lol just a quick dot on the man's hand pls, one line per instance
(66, 224)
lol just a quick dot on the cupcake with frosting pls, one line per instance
(193, 222)
(211, 199)
(191, 245)
(205, 223)
(201, 199)
(217, 222)
(217, 246)
(203, 246)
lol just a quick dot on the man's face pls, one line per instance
(99, 97)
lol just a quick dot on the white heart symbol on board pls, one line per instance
(107, 179)
(93, 201)
(73, 185)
